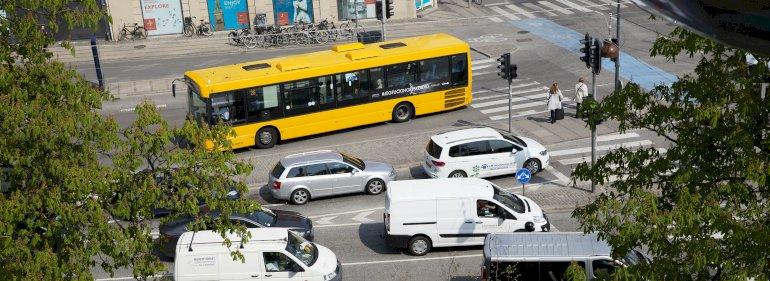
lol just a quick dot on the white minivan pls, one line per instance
(421, 214)
(482, 152)
(270, 254)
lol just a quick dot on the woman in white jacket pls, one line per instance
(554, 100)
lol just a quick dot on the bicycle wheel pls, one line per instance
(141, 32)
(206, 30)
(123, 35)
(189, 30)
(321, 37)
(233, 39)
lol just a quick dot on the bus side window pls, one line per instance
(258, 99)
(299, 95)
(459, 70)
(400, 75)
(228, 107)
(325, 93)
(434, 69)
(376, 78)
(349, 85)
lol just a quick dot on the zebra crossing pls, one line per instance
(550, 8)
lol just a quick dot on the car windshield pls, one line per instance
(264, 217)
(355, 162)
(515, 140)
(508, 199)
(304, 250)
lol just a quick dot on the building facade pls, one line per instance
(162, 17)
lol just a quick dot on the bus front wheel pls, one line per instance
(266, 137)
(402, 112)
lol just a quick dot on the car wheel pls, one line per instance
(266, 137)
(300, 197)
(458, 174)
(419, 246)
(375, 186)
(402, 113)
(533, 165)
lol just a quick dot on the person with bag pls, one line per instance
(554, 103)
(581, 92)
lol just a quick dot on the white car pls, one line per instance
(482, 152)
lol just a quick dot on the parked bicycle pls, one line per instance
(236, 37)
(203, 29)
(132, 32)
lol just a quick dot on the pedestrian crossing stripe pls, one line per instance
(579, 150)
(547, 8)
(553, 7)
(520, 11)
(537, 9)
(574, 6)
(504, 13)
(539, 97)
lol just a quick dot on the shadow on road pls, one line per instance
(372, 235)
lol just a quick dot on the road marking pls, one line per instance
(593, 5)
(555, 8)
(505, 88)
(574, 6)
(617, 137)
(324, 220)
(580, 150)
(492, 5)
(410, 260)
(564, 179)
(343, 224)
(482, 73)
(361, 217)
(578, 160)
(612, 3)
(348, 212)
(131, 278)
(130, 109)
(538, 9)
(520, 11)
(504, 13)
(522, 114)
(513, 99)
(477, 67)
(495, 19)
(482, 61)
(518, 106)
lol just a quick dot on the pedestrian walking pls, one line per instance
(554, 103)
(581, 92)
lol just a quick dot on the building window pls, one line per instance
(357, 9)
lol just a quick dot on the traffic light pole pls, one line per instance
(593, 131)
(617, 41)
(382, 20)
(510, 106)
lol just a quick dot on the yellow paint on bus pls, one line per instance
(340, 59)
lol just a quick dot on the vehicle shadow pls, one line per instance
(372, 235)
(417, 173)
(267, 195)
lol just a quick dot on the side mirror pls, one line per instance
(173, 89)
(353, 172)
(529, 226)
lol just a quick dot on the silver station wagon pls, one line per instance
(314, 174)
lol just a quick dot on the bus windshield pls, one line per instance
(196, 105)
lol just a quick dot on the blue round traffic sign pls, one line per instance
(523, 175)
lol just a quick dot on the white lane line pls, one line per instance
(410, 260)
(564, 179)
(520, 114)
(477, 67)
(593, 5)
(504, 13)
(513, 99)
(580, 150)
(617, 137)
(518, 106)
(348, 212)
(505, 88)
(342, 224)
(482, 61)
(520, 11)
(574, 6)
(361, 217)
(539, 9)
(324, 220)
(482, 73)
(496, 19)
(555, 8)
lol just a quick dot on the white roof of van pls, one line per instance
(481, 133)
(257, 234)
(529, 245)
(408, 190)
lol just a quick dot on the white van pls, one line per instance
(270, 254)
(420, 214)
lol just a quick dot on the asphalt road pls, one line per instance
(352, 225)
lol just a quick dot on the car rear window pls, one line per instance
(434, 150)
(277, 171)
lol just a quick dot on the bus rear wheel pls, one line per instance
(402, 112)
(266, 137)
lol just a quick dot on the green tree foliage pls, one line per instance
(575, 272)
(701, 206)
(69, 171)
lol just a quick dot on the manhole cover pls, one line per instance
(139, 46)
(524, 40)
(523, 32)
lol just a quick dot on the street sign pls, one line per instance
(523, 175)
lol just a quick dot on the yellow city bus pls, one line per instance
(350, 85)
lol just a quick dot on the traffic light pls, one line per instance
(586, 50)
(388, 9)
(505, 62)
(596, 56)
(512, 72)
(378, 7)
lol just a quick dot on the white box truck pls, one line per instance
(421, 214)
(270, 254)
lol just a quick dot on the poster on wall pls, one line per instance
(289, 12)
(162, 16)
(419, 4)
(228, 14)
